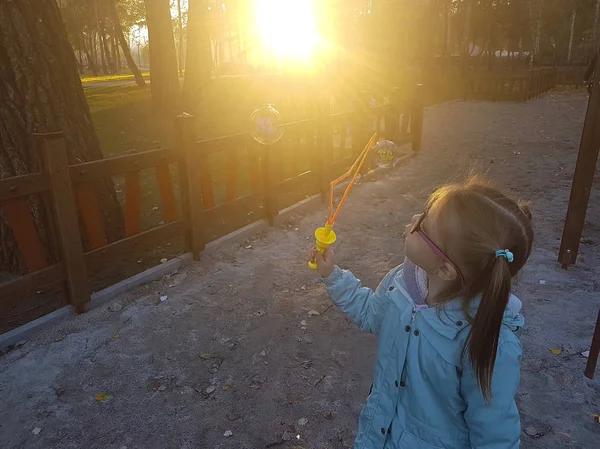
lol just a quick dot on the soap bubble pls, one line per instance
(386, 153)
(266, 125)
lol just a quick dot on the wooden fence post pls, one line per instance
(416, 125)
(583, 179)
(324, 148)
(590, 367)
(54, 156)
(189, 184)
(269, 173)
(362, 125)
(392, 118)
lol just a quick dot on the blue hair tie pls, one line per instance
(506, 254)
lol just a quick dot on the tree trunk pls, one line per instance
(139, 79)
(105, 49)
(90, 59)
(41, 92)
(163, 62)
(198, 65)
(572, 34)
(117, 52)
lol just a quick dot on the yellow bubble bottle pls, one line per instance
(325, 237)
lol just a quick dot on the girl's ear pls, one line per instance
(447, 272)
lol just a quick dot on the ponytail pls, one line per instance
(482, 342)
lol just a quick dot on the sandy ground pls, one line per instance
(233, 348)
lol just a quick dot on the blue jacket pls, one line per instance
(424, 395)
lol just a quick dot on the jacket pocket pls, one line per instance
(409, 441)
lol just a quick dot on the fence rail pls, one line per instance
(511, 85)
(69, 191)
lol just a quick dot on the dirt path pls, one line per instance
(233, 347)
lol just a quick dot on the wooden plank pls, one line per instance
(91, 171)
(583, 179)
(165, 185)
(252, 149)
(17, 214)
(100, 257)
(31, 283)
(590, 367)
(244, 199)
(230, 192)
(203, 172)
(54, 154)
(416, 125)
(93, 221)
(133, 201)
(191, 196)
(18, 186)
(269, 186)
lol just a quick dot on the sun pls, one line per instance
(288, 28)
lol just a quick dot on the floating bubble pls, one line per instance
(266, 125)
(386, 153)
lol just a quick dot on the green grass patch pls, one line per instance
(111, 78)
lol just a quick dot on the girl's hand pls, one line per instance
(325, 261)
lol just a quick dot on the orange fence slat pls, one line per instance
(133, 223)
(93, 221)
(208, 197)
(231, 174)
(30, 247)
(163, 175)
(253, 167)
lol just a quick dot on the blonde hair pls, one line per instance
(475, 221)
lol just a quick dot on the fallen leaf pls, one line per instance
(116, 336)
(226, 387)
(36, 431)
(595, 417)
(313, 313)
(555, 351)
(205, 355)
(101, 397)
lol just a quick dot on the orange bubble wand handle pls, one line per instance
(361, 157)
(364, 154)
(325, 236)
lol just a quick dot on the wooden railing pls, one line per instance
(273, 172)
(511, 85)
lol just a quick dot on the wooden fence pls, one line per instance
(511, 85)
(71, 196)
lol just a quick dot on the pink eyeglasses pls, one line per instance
(436, 249)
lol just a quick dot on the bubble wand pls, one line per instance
(325, 236)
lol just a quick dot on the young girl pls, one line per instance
(447, 367)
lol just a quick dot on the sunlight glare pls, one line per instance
(288, 28)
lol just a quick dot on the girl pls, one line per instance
(447, 367)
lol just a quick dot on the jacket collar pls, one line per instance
(449, 319)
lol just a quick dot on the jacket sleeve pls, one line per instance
(363, 306)
(494, 424)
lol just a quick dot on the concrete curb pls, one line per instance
(152, 274)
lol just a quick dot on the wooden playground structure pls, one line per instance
(583, 180)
